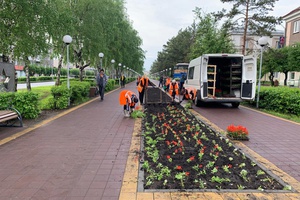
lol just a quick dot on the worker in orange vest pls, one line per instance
(142, 86)
(189, 93)
(174, 89)
(128, 99)
(167, 84)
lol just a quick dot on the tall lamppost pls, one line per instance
(112, 63)
(101, 55)
(120, 68)
(263, 41)
(67, 40)
(170, 71)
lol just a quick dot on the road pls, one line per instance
(23, 85)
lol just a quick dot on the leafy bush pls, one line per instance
(79, 91)
(110, 85)
(283, 100)
(60, 99)
(26, 103)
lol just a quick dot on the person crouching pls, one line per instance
(128, 99)
(189, 93)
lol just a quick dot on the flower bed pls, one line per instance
(181, 152)
(237, 132)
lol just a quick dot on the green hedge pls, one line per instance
(285, 100)
(25, 102)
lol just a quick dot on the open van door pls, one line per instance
(203, 76)
(249, 77)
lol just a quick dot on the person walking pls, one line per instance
(101, 82)
(161, 81)
(174, 89)
(122, 79)
(128, 99)
(143, 84)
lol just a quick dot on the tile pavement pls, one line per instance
(89, 153)
(80, 155)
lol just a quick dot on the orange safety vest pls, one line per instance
(125, 97)
(174, 87)
(188, 93)
(142, 84)
(168, 81)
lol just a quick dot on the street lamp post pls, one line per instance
(101, 55)
(120, 68)
(263, 41)
(112, 63)
(67, 40)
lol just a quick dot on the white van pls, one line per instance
(223, 78)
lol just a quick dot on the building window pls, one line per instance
(292, 75)
(296, 26)
(276, 74)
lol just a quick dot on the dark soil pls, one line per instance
(181, 152)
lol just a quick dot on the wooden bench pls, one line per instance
(10, 118)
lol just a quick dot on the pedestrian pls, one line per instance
(142, 86)
(138, 80)
(167, 83)
(174, 89)
(161, 80)
(182, 79)
(101, 82)
(122, 80)
(128, 99)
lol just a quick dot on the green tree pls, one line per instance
(209, 38)
(175, 51)
(250, 15)
(272, 60)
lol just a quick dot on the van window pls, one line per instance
(191, 73)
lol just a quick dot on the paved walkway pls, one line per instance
(90, 152)
(275, 139)
(79, 155)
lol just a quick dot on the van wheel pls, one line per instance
(235, 104)
(197, 101)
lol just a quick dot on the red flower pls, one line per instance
(200, 166)
(230, 166)
(237, 131)
(192, 158)
(168, 157)
(168, 143)
(178, 167)
(187, 173)
(199, 141)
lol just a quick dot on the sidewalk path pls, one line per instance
(80, 155)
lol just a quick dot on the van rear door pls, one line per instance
(249, 77)
(203, 76)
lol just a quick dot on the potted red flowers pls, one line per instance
(237, 132)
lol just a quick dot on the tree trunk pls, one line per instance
(27, 74)
(271, 78)
(245, 28)
(57, 83)
(285, 78)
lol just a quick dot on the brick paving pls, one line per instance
(273, 138)
(83, 154)
(80, 155)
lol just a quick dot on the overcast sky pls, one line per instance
(157, 21)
